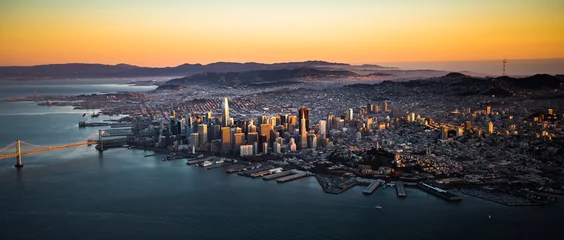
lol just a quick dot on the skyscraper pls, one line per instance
(386, 107)
(323, 128)
(304, 114)
(225, 117)
(303, 133)
(351, 113)
(225, 139)
(203, 133)
(490, 128)
(489, 110)
(444, 133)
(265, 129)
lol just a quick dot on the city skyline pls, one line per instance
(148, 33)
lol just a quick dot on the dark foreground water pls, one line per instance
(79, 194)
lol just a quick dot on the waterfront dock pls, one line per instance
(400, 189)
(235, 168)
(198, 161)
(439, 192)
(253, 169)
(291, 177)
(372, 187)
(216, 165)
(277, 175)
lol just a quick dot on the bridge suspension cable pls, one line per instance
(9, 146)
(33, 145)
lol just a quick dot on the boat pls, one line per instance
(378, 207)
(206, 164)
(219, 161)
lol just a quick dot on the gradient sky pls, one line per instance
(172, 32)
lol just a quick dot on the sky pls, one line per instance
(173, 32)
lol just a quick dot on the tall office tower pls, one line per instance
(304, 114)
(489, 110)
(252, 128)
(311, 141)
(255, 148)
(265, 147)
(225, 139)
(208, 117)
(216, 132)
(203, 133)
(273, 135)
(370, 108)
(252, 137)
(490, 128)
(195, 139)
(386, 107)
(413, 119)
(261, 141)
(330, 120)
(292, 145)
(172, 113)
(272, 121)
(225, 116)
(238, 140)
(265, 129)
(262, 120)
(351, 114)
(550, 112)
(377, 109)
(323, 128)
(276, 148)
(284, 119)
(280, 140)
(369, 123)
(459, 132)
(444, 133)
(293, 120)
(467, 125)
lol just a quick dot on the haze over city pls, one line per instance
(173, 32)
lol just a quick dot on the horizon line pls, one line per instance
(279, 62)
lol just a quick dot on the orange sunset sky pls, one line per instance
(172, 32)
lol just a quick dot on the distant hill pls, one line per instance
(86, 70)
(256, 76)
(459, 84)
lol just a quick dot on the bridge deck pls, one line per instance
(46, 149)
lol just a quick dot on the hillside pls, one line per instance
(86, 70)
(256, 77)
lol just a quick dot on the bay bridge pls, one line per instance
(24, 148)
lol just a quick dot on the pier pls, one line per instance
(400, 189)
(277, 175)
(439, 192)
(291, 177)
(372, 187)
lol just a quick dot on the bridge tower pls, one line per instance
(100, 141)
(19, 163)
